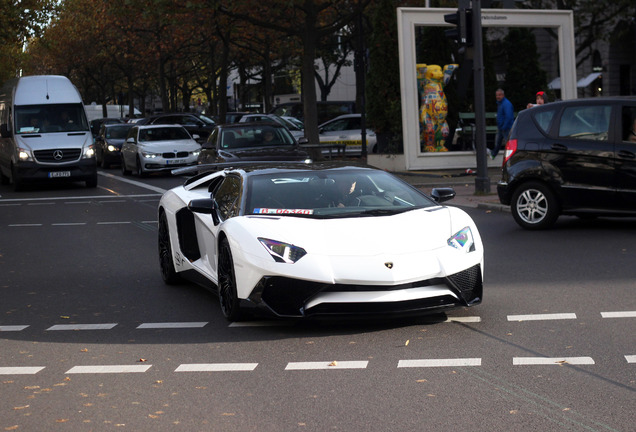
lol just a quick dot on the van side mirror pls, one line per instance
(4, 131)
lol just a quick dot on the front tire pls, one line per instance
(534, 206)
(125, 171)
(168, 272)
(228, 297)
(140, 168)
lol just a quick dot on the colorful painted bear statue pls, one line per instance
(431, 80)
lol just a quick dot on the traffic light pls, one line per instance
(463, 31)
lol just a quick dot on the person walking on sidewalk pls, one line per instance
(505, 118)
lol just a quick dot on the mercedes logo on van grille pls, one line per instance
(388, 265)
(58, 155)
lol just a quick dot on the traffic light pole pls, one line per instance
(482, 180)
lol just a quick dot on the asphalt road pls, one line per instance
(91, 338)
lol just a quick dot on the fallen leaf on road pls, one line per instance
(142, 360)
(407, 342)
(21, 407)
(333, 363)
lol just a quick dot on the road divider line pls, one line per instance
(21, 370)
(630, 358)
(422, 363)
(327, 365)
(114, 223)
(133, 182)
(168, 325)
(108, 369)
(216, 367)
(272, 323)
(107, 326)
(542, 317)
(527, 361)
(25, 225)
(8, 328)
(623, 314)
(68, 224)
(468, 319)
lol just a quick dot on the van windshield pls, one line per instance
(50, 118)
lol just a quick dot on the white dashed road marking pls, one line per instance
(624, 314)
(526, 361)
(468, 319)
(630, 358)
(82, 326)
(458, 362)
(327, 365)
(216, 367)
(108, 369)
(171, 325)
(20, 370)
(542, 317)
(13, 328)
(133, 182)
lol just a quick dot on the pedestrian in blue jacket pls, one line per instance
(505, 118)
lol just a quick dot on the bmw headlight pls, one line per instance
(283, 252)
(195, 153)
(463, 240)
(150, 155)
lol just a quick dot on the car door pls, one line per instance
(209, 149)
(129, 148)
(626, 156)
(583, 155)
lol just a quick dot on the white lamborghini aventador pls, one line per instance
(314, 240)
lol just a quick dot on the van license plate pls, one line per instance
(56, 174)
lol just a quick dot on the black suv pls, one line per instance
(575, 157)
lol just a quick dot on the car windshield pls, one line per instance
(117, 132)
(50, 118)
(163, 134)
(332, 193)
(207, 120)
(250, 136)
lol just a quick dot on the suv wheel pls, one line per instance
(534, 206)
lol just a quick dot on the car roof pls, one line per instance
(251, 125)
(340, 117)
(155, 126)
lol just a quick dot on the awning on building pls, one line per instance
(555, 84)
(584, 82)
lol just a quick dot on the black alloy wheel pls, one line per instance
(168, 272)
(534, 206)
(228, 297)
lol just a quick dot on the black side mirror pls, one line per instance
(205, 206)
(443, 194)
(4, 131)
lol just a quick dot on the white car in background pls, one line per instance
(347, 130)
(154, 148)
(304, 240)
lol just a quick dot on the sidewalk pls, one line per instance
(462, 182)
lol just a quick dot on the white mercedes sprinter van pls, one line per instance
(44, 133)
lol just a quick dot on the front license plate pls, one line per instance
(56, 174)
(176, 161)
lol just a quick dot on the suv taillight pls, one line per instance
(511, 148)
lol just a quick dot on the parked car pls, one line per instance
(235, 116)
(297, 132)
(347, 130)
(251, 142)
(109, 141)
(281, 239)
(154, 148)
(96, 124)
(574, 157)
(327, 110)
(196, 124)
